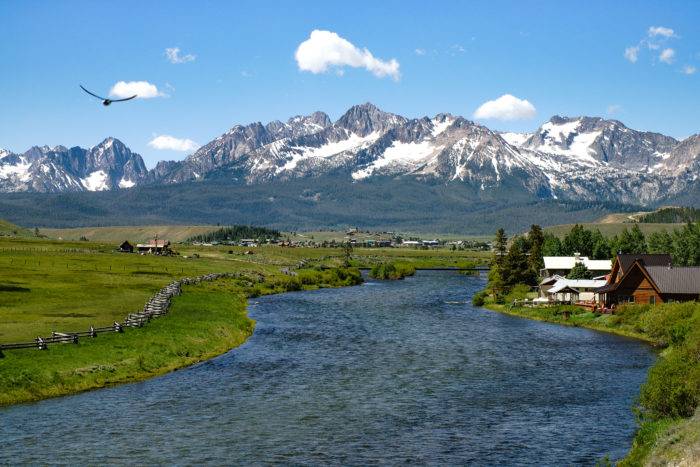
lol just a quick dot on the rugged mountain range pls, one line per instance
(107, 166)
(582, 158)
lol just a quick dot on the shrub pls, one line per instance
(479, 298)
(392, 271)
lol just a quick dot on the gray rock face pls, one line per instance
(603, 140)
(107, 166)
(581, 158)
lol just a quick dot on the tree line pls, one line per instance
(235, 233)
(519, 261)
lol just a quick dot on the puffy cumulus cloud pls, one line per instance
(172, 143)
(173, 56)
(506, 107)
(142, 89)
(326, 49)
(667, 56)
(632, 54)
(689, 70)
(654, 31)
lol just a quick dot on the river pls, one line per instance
(387, 372)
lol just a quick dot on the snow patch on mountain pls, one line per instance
(124, 183)
(515, 139)
(353, 142)
(404, 155)
(19, 170)
(96, 181)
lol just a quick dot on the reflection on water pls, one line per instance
(389, 372)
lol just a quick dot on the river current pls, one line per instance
(384, 373)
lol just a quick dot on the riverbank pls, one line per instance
(669, 430)
(207, 320)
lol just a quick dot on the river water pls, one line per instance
(383, 373)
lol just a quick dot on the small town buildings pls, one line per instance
(562, 265)
(126, 247)
(413, 243)
(249, 242)
(156, 247)
(645, 279)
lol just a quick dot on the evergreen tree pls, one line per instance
(631, 241)
(515, 266)
(660, 242)
(534, 260)
(580, 271)
(601, 246)
(500, 246)
(496, 285)
(551, 245)
(578, 240)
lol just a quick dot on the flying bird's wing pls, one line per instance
(122, 100)
(92, 93)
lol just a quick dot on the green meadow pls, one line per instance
(67, 286)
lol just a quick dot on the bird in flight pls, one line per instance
(104, 100)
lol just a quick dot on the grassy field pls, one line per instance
(116, 235)
(10, 229)
(179, 233)
(49, 285)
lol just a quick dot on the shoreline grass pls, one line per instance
(667, 407)
(207, 320)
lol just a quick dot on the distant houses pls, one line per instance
(155, 247)
(649, 278)
(126, 247)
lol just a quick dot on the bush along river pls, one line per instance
(387, 372)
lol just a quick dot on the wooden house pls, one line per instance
(156, 246)
(647, 280)
(126, 247)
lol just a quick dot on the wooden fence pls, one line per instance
(156, 306)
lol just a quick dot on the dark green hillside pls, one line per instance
(304, 204)
(671, 215)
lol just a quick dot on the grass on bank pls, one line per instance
(667, 407)
(391, 271)
(205, 321)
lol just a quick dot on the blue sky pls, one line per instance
(566, 58)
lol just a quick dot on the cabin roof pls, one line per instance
(657, 259)
(575, 284)
(675, 280)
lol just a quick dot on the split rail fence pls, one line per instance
(156, 306)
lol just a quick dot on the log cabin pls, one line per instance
(649, 283)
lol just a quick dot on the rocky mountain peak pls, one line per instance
(367, 118)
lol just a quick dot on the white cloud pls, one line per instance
(614, 109)
(326, 49)
(660, 31)
(632, 53)
(689, 70)
(667, 56)
(506, 107)
(420, 51)
(172, 143)
(142, 89)
(173, 55)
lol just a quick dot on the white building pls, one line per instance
(562, 265)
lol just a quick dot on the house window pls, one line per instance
(652, 300)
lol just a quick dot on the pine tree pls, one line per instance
(500, 246)
(535, 261)
(580, 271)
